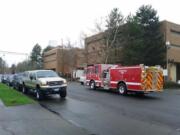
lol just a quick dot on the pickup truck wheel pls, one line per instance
(122, 89)
(38, 94)
(92, 85)
(63, 93)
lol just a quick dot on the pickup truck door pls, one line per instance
(32, 80)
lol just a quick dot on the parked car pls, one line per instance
(10, 80)
(44, 82)
(4, 79)
(17, 81)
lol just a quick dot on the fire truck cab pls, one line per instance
(140, 78)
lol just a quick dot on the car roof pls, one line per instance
(38, 70)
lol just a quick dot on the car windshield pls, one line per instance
(44, 74)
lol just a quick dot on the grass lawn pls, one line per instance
(11, 97)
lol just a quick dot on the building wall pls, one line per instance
(94, 49)
(64, 60)
(49, 60)
(172, 35)
(172, 71)
(80, 58)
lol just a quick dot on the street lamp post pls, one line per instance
(168, 45)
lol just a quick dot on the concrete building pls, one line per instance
(171, 31)
(63, 60)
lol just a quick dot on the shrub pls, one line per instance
(170, 84)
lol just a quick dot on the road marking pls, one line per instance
(74, 123)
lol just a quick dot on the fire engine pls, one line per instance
(140, 78)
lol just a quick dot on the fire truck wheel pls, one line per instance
(92, 85)
(122, 89)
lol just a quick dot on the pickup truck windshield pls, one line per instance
(44, 74)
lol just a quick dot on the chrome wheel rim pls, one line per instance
(37, 95)
(121, 89)
(23, 90)
(92, 85)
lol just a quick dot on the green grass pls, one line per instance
(11, 97)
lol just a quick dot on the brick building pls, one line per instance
(94, 46)
(171, 31)
(172, 39)
(63, 60)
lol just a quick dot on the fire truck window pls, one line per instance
(96, 69)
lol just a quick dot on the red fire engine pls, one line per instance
(140, 78)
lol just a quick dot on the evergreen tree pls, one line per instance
(47, 48)
(144, 41)
(36, 57)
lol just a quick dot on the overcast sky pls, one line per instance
(23, 23)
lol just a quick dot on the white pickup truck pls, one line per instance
(44, 82)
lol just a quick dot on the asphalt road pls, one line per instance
(107, 113)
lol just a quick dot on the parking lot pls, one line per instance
(107, 113)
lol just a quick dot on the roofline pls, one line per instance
(38, 70)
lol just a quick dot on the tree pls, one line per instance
(13, 69)
(68, 57)
(24, 66)
(47, 48)
(36, 57)
(143, 39)
(3, 65)
(113, 34)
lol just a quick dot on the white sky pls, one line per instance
(23, 23)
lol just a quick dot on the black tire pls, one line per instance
(63, 93)
(19, 88)
(92, 85)
(122, 89)
(82, 83)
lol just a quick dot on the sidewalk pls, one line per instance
(34, 120)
